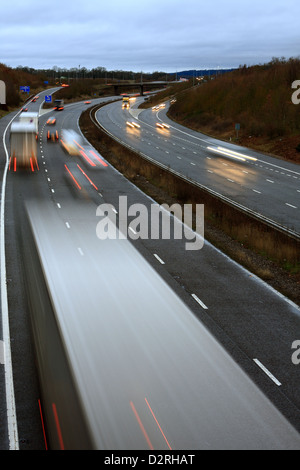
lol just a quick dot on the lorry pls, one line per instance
(125, 102)
(23, 146)
(30, 118)
(58, 105)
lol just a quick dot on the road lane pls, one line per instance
(247, 183)
(241, 312)
(131, 341)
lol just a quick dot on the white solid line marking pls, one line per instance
(2, 355)
(159, 259)
(271, 376)
(199, 301)
(11, 415)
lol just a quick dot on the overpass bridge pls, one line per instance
(142, 86)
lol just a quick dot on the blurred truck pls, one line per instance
(30, 118)
(125, 102)
(23, 145)
(58, 105)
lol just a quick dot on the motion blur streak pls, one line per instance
(226, 153)
(238, 154)
(61, 442)
(98, 158)
(115, 333)
(87, 158)
(89, 179)
(141, 426)
(78, 144)
(158, 424)
(74, 179)
(43, 424)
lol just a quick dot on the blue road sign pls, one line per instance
(48, 99)
(25, 88)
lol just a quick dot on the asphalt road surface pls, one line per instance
(253, 323)
(264, 184)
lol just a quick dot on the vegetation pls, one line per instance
(258, 98)
(83, 83)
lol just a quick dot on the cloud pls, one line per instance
(147, 35)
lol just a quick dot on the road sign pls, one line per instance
(25, 88)
(48, 99)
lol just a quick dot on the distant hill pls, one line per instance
(258, 98)
(200, 73)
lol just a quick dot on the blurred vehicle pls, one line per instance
(162, 125)
(78, 178)
(51, 120)
(133, 124)
(87, 102)
(24, 110)
(91, 157)
(35, 99)
(58, 105)
(23, 146)
(52, 135)
(32, 118)
(110, 334)
(125, 102)
(71, 141)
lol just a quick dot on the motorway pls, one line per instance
(254, 324)
(264, 184)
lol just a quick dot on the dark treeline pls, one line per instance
(38, 79)
(58, 73)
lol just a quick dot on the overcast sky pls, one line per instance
(147, 35)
